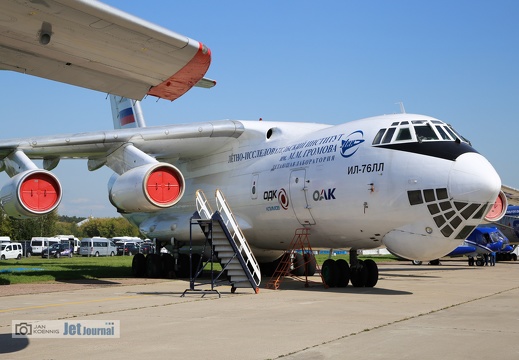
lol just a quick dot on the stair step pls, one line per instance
(238, 278)
(235, 272)
(223, 248)
(225, 254)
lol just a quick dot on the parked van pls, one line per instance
(97, 246)
(40, 243)
(10, 251)
(73, 241)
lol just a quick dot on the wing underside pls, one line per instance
(92, 45)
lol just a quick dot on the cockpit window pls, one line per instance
(378, 137)
(443, 134)
(417, 130)
(457, 134)
(425, 133)
(388, 136)
(404, 134)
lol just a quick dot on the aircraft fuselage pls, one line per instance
(278, 177)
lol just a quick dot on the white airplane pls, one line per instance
(406, 181)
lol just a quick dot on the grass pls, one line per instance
(36, 269)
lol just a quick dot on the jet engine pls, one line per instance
(498, 210)
(31, 193)
(146, 188)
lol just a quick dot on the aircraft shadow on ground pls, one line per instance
(8, 344)
(89, 282)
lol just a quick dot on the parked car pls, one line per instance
(127, 249)
(10, 251)
(58, 250)
(146, 248)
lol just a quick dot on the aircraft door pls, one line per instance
(298, 199)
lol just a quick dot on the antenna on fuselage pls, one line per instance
(402, 108)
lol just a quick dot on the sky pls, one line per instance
(323, 62)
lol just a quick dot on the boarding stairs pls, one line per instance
(228, 244)
(286, 266)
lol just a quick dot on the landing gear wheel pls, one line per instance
(299, 265)
(167, 264)
(183, 266)
(479, 262)
(153, 265)
(359, 274)
(372, 269)
(417, 262)
(471, 261)
(311, 264)
(329, 272)
(343, 273)
(139, 265)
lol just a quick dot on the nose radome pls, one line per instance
(473, 179)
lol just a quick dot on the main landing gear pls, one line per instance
(361, 273)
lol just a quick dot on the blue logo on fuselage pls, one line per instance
(351, 144)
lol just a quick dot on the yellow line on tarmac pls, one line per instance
(68, 303)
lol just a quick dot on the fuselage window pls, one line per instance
(403, 134)
(388, 136)
(378, 137)
(425, 133)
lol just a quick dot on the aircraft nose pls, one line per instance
(473, 179)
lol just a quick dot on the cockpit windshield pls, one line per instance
(417, 131)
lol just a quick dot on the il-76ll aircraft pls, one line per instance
(406, 181)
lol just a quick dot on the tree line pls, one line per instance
(54, 224)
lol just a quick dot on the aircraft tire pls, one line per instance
(153, 265)
(372, 270)
(139, 265)
(183, 266)
(471, 261)
(514, 257)
(359, 274)
(167, 264)
(343, 273)
(329, 272)
(479, 262)
(299, 265)
(417, 262)
(310, 264)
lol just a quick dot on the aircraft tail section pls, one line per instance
(126, 113)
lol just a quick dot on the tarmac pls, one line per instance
(450, 311)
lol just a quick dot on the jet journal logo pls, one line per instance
(84, 329)
(351, 144)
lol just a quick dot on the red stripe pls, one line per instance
(127, 120)
(179, 83)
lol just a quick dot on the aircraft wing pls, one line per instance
(165, 143)
(92, 45)
(512, 194)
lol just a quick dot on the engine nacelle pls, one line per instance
(498, 210)
(147, 188)
(31, 193)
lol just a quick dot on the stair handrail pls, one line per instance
(202, 205)
(229, 219)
